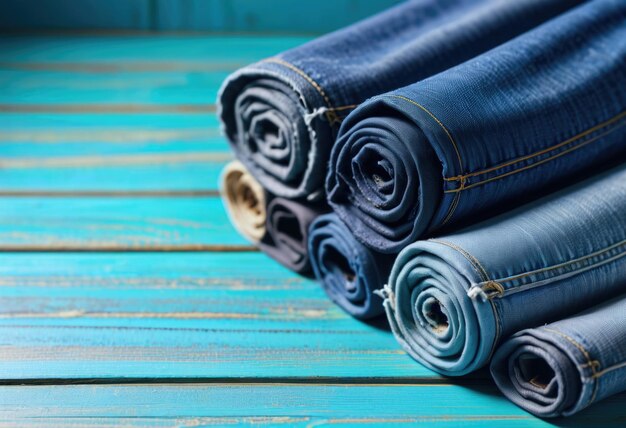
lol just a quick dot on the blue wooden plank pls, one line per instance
(208, 315)
(154, 52)
(134, 88)
(291, 405)
(117, 223)
(110, 153)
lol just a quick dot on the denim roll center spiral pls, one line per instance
(349, 272)
(431, 315)
(245, 201)
(271, 134)
(563, 367)
(384, 182)
(287, 235)
(538, 374)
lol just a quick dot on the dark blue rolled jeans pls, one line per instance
(282, 114)
(561, 368)
(349, 272)
(527, 117)
(452, 299)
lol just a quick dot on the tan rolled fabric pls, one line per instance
(245, 201)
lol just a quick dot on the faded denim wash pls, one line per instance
(452, 299)
(282, 114)
(525, 118)
(561, 368)
(348, 271)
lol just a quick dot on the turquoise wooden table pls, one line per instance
(125, 295)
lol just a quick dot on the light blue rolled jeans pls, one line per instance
(450, 300)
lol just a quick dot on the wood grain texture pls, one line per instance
(126, 298)
(206, 315)
(48, 224)
(279, 404)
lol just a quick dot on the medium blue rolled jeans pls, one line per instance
(561, 368)
(282, 114)
(525, 118)
(348, 271)
(452, 299)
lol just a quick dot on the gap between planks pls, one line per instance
(107, 108)
(184, 193)
(217, 248)
(477, 381)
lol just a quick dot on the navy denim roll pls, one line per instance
(287, 233)
(282, 114)
(450, 300)
(348, 271)
(561, 368)
(500, 129)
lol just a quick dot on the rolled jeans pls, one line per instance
(282, 114)
(450, 300)
(528, 117)
(563, 367)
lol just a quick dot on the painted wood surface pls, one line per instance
(126, 298)
(187, 15)
(281, 404)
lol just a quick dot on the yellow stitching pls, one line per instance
(564, 264)
(458, 154)
(304, 75)
(543, 151)
(515, 171)
(473, 260)
(591, 363)
(455, 202)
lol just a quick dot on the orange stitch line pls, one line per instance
(304, 75)
(455, 202)
(587, 356)
(546, 150)
(564, 264)
(456, 149)
(564, 152)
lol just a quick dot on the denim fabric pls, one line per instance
(450, 300)
(520, 120)
(282, 114)
(563, 367)
(244, 200)
(287, 233)
(348, 271)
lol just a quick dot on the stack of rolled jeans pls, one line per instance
(459, 166)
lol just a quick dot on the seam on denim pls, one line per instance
(473, 260)
(547, 149)
(610, 369)
(591, 363)
(541, 162)
(455, 202)
(483, 273)
(562, 266)
(330, 113)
